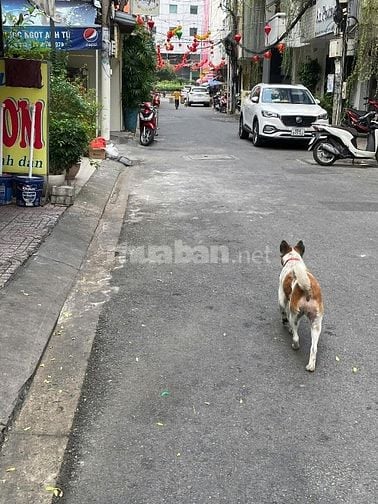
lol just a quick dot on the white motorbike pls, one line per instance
(330, 143)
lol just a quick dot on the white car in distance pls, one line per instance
(279, 111)
(198, 95)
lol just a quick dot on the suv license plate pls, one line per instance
(297, 132)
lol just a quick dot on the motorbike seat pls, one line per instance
(351, 130)
(356, 111)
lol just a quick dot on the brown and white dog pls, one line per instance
(299, 294)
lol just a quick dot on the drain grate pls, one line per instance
(211, 157)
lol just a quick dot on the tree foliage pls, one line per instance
(139, 65)
(309, 74)
(166, 73)
(366, 65)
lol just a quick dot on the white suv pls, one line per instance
(198, 95)
(279, 111)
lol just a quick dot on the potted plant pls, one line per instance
(138, 73)
(73, 114)
(68, 141)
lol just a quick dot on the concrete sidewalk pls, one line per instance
(22, 230)
(42, 251)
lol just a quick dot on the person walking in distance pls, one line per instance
(177, 96)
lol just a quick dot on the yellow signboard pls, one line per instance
(18, 104)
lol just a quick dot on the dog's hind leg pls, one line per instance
(316, 327)
(284, 318)
(294, 321)
(282, 302)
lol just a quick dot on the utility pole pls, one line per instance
(231, 48)
(105, 72)
(341, 19)
(1, 33)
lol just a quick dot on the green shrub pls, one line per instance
(326, 102)
(309, 74)
(68, 140)
(72, 99)
(169, 86)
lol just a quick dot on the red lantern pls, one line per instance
(268, 55)
(150, 23)
(170, 34)
(267, 29)
(255, 58)
(139, 20)
(281, 48)
(237, 38)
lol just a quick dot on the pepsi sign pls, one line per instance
(90, 35)
(85, 38)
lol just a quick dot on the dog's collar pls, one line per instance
(290, 259)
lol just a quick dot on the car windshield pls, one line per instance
(287, 95)
(199, 90)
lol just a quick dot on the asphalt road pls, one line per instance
(193, 393)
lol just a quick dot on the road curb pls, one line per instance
(34, 446)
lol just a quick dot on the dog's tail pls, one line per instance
(302, 278)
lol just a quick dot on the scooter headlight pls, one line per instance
(146, 117)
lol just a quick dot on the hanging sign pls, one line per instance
(75, 26)
(68, 39)
(146, 7)
(17, 123)
(324, 22)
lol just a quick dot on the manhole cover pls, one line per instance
(211, 157)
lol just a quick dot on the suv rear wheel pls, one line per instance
(243, 133)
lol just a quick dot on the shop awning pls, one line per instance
(126, 22)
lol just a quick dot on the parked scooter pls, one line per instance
(337, 142)
(220, 102)
(156, 99)
(148, 121)
(352, 116)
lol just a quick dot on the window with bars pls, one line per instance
(194, 9)
(193, 31)
(172, 9)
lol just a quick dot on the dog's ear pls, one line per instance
(300, 248)
(284, 248)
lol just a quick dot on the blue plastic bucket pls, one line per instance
(29, 191)
(130, 118)
(6, 189)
